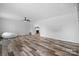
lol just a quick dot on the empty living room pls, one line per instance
(39, 29)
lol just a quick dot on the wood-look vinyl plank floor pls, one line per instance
(40, 46)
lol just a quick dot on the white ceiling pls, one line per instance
(34, 11)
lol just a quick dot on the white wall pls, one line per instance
(64, 27)
(14, 26)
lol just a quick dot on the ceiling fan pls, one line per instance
(26, 19)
